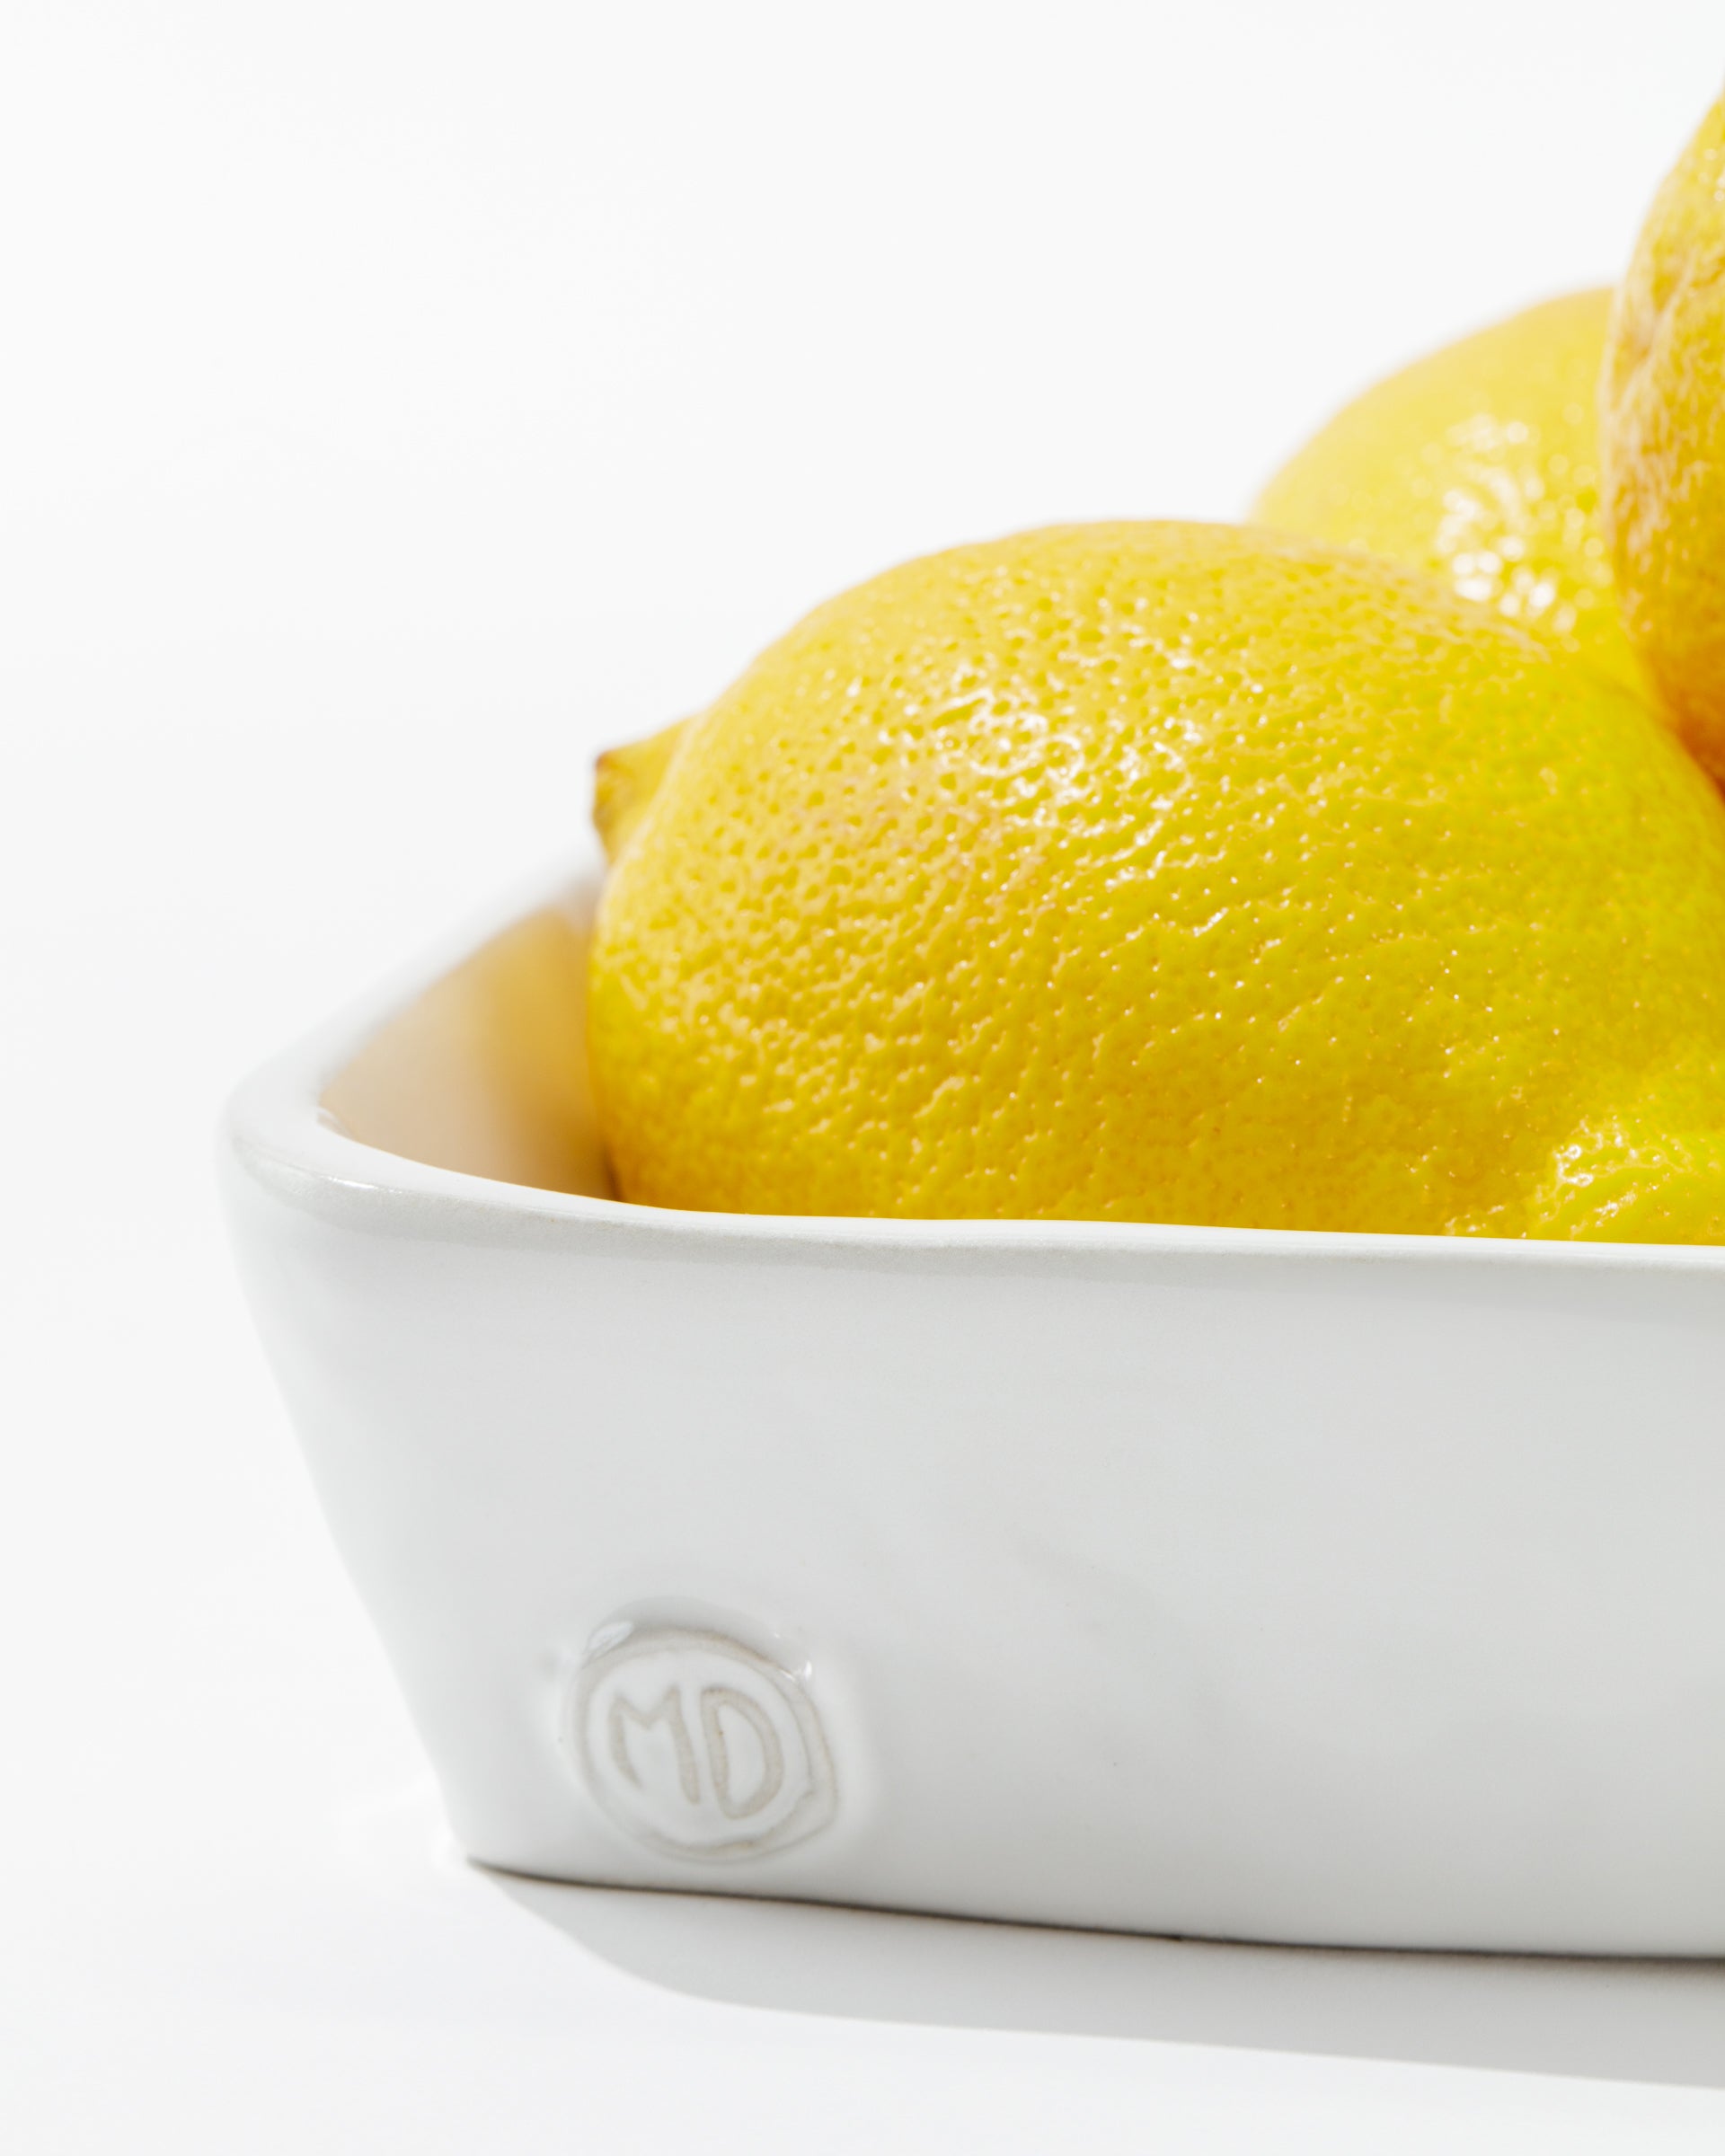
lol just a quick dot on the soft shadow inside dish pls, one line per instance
(485, 1072)
(1660, 2021)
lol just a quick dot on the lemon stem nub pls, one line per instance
(625, 782)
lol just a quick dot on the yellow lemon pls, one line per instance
(1663, 442)
(1480, 464)
(1171, 872)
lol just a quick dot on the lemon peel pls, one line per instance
(1480, 462)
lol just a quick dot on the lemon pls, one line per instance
(1480, 464)
(1664, 443)
(1171, 872)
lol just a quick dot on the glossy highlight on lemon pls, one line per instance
(1663, 442)
(1480, 464)
(1171, 872)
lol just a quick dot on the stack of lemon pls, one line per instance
(1359, 868)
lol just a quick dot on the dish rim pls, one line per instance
(276, 1126)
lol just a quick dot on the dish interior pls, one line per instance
(485, 1071)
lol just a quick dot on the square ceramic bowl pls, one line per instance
(1331, 1589)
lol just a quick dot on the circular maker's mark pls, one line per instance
(699, 1747)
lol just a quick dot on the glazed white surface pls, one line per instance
(1321, 1589)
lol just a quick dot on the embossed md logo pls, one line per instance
(698, 1745)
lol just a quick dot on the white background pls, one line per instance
(397, 402)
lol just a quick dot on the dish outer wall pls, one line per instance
(1321, 1588)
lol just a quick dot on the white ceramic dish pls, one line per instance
(1346, 1589)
